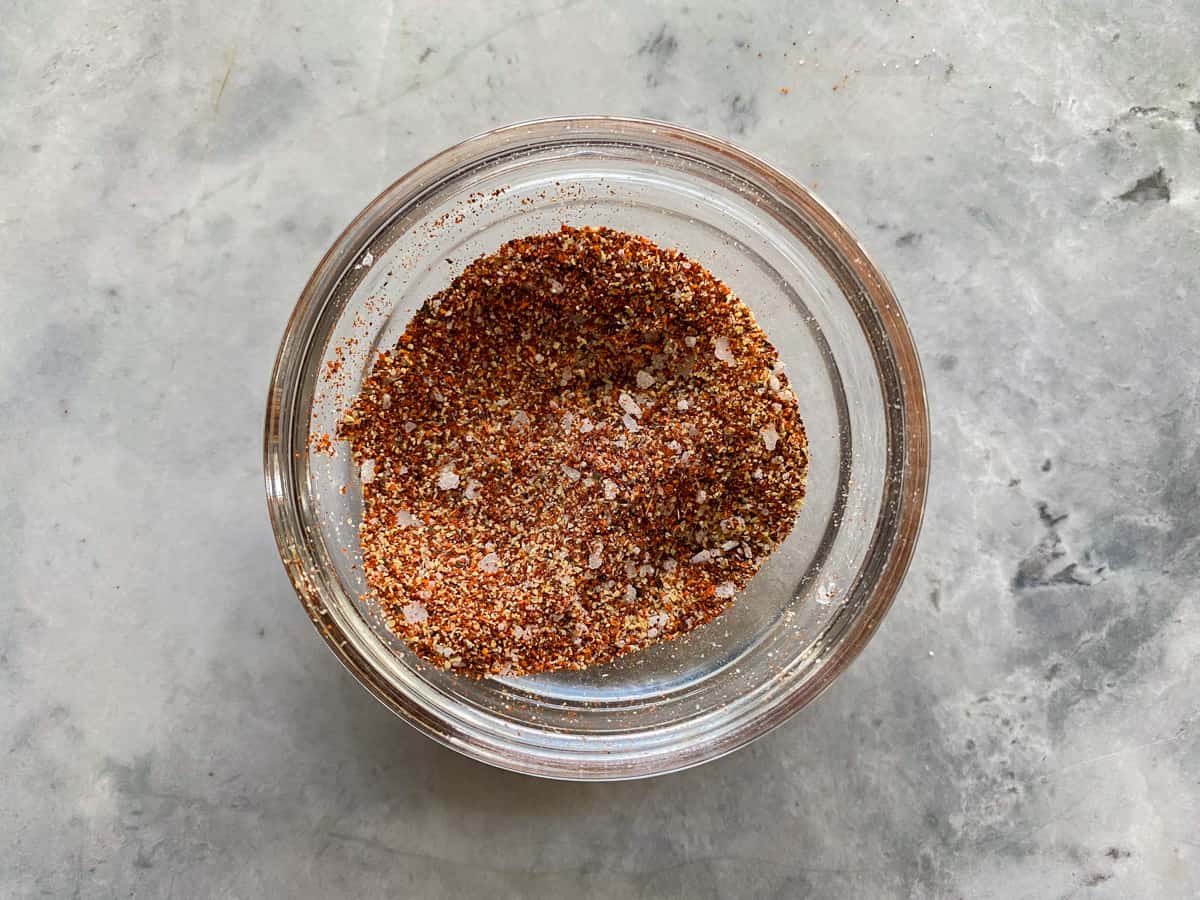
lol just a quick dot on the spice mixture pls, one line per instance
(582, 446)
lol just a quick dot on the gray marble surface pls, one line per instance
(1025, 725)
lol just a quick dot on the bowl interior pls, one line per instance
(701, 694)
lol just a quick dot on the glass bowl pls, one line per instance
(826, 308)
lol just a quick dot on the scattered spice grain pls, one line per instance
(584, 445)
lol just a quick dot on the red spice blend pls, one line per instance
(582, 446)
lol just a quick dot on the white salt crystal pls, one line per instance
(572, 474)
(701, 495)
(438, 396)
(690, 340)
(721, 350)
(368, 258)
(410, 427)
(490, 564)
(471, 492)
(774, 384)
(645, 570)
(630, 593)
(539, 358)
(596, 557)
(556, 286)
(778, 367)
(728, 545)
(629, 404)
(682, 405)
(725, 589)
(770, 437)
(585, 425)
(629, 422)
(520, 633)
(414, 612)
(367, 472)
(644, 379)
(405, 519)
(610, 489)
(658, 620)
(520, 419)
(568, 421)
(385, 402)
(702, 557)
(669, 565)
(443, 649)
(448, 479)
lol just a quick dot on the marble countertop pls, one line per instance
(1025, 725)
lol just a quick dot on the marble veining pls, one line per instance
(1025, 725)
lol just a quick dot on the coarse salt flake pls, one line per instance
(410, 427)
(690, 340)
(367, 472)
(448, 479)
(596, 557)
(568, 421)
(630, 593)
(644, 379)
(489, 564)
(629, 422)
(629, 404)
(414, 612)
(721, 350)
(610, 489)
(471, 491)
(725, 590)
(770, 437)
(520, 419)
(405, 519)
(572, 474)
(682, 405)
(585, 425)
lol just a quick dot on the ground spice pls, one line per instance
(582, 446)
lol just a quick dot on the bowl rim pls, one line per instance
(910, 411)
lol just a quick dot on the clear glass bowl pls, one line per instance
(848, 352)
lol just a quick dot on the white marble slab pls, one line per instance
(1025, 724)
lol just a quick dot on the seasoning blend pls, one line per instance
(584, 445)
